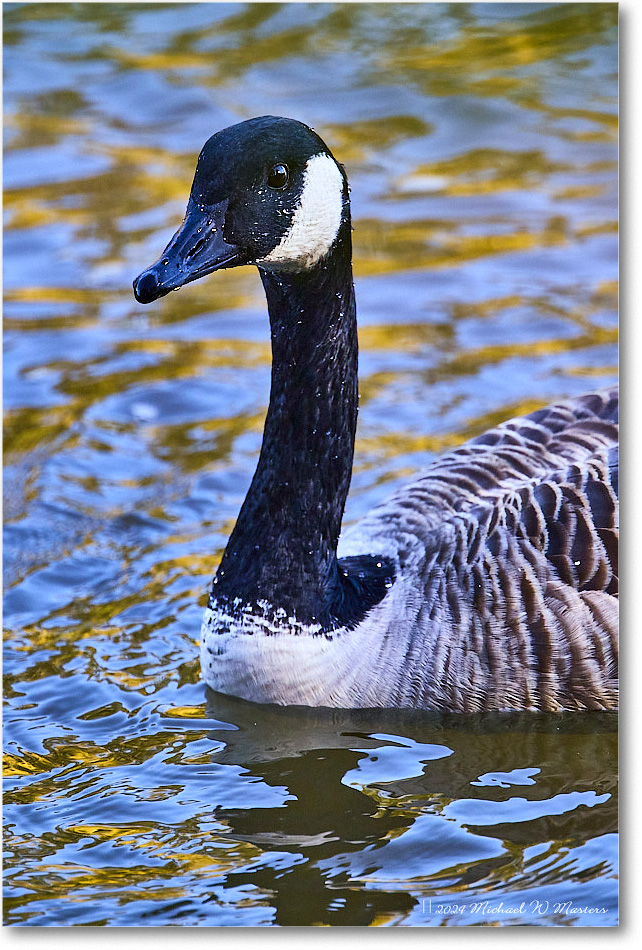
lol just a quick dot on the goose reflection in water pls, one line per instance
(481, 807)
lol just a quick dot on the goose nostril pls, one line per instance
(146, 287)
(197, 247)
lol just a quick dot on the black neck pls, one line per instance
(283, 547)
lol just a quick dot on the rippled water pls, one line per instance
(480, 141)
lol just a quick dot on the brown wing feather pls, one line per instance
(518, 529)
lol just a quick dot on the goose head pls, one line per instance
(267, 192)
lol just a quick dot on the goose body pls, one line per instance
(487, 583)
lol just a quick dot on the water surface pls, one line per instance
(480, 142)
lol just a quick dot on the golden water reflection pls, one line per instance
(481, 145)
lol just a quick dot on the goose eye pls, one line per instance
(278, 176)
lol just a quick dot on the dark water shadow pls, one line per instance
(486, 787)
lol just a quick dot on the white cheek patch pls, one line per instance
(316, 221)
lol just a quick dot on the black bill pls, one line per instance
(197, 249)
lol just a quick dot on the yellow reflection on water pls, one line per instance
(120, 519)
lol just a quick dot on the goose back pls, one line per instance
(506, 551)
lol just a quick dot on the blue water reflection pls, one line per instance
(481, 145)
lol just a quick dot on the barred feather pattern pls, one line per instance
(511, 545)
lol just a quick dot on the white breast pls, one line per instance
(279, 661)
(316, 221)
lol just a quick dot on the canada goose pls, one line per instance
(488, 583)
